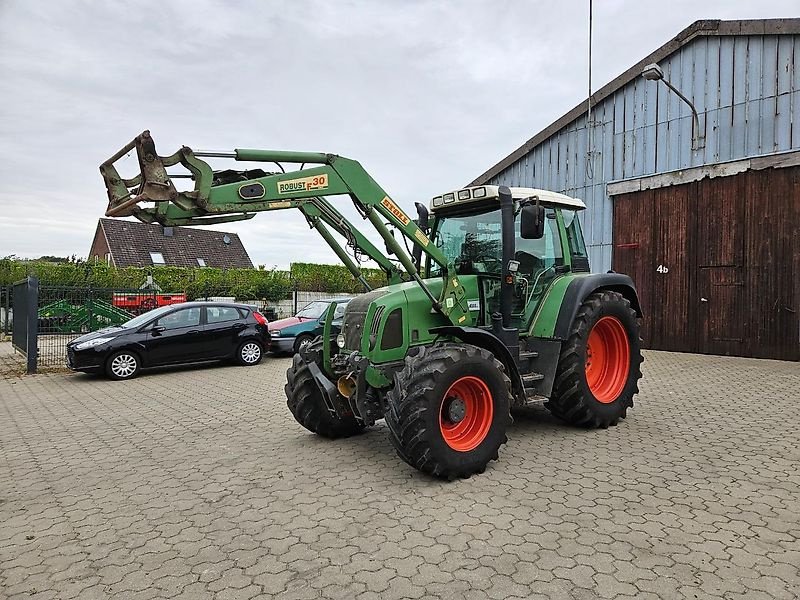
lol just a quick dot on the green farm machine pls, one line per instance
(491, 308)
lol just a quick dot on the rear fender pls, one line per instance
(582, 287)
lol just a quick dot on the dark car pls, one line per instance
(179, 333)
(291, 333)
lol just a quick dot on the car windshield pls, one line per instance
(313, 311)
(146, 317)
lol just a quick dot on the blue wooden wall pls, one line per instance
(746, 89)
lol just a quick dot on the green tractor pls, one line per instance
(491, 309)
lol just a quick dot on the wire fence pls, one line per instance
(63, 312)
(66, 312)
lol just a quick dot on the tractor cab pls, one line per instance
(467, 226)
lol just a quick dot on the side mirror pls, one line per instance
(158, 329)
(531, 223)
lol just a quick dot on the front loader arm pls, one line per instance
(330, 175)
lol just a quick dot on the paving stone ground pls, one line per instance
(198, 484)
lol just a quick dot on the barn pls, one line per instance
(689, 164)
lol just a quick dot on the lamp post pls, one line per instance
(653, 72)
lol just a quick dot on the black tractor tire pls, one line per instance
(124, 364)
(614, 372)
(307, 405)
(438, 411)
(301, 340)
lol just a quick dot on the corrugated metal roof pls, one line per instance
(743, 78)
(709, 27)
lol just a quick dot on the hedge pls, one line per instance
(244, 284)
(332, 278)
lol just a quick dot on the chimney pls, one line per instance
(168, 231)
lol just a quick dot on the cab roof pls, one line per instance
(483, 192)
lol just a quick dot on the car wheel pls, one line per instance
(250, 353)
(122, 365)
(302, 340)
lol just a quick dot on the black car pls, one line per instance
(180, 333)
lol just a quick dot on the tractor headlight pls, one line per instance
(93, 343)
(463, 195)
(479, 192)
(340, 340)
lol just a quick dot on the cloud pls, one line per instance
(426, 94)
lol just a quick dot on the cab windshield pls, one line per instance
(474, 243)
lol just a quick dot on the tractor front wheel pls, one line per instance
(449, 410)
(599, 367)
(308, 407)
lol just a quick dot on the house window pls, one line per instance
(201, 262)
(157, 258)
(108, 258)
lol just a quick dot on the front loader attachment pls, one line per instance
(234, 195)
(154, 184)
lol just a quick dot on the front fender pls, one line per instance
(489, 341)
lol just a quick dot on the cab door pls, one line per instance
(540, 262)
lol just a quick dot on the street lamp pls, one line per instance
(653, 72)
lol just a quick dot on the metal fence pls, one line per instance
(25, 327)
(48, 320)
(66, 312)
(5, 310)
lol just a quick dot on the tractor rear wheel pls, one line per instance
(449, 409)
(599, 367)
(307, 405)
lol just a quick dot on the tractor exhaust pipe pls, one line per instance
(509, 251)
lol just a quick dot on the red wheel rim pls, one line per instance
(466, 412)
(608, 359)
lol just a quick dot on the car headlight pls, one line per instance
(340, 340)
(275, 332)
(93, 343)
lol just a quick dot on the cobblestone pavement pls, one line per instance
(198, 484)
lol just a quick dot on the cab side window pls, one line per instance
(577, 246)
(535, 256)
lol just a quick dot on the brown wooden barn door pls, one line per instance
(633, 250)
(721, 313)
(772, 214)
(671, 268)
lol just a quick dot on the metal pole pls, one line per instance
(9, 291)
(32, 343)
(695, 117)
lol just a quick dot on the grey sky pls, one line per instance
(426, 94)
